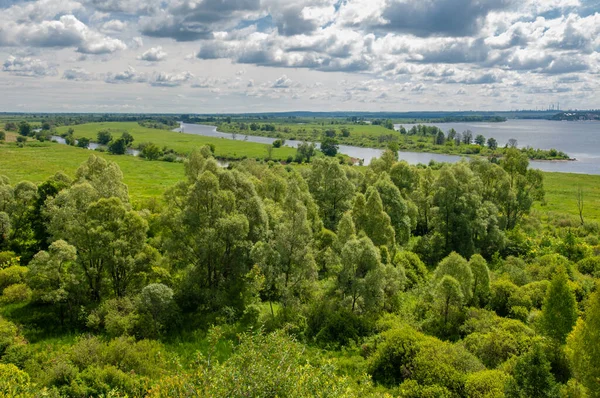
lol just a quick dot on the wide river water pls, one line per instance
(580, 140)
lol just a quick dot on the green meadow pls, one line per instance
(38, 161)
(180, 143)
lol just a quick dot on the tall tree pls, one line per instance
(361, 281)
(525, 186)
(532, 376)
(481, 280)
(458, 200)
(559, 312)
(583, 345)
(457, 267)
(396, 207)
(331, 189)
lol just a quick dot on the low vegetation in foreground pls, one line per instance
(272, 280)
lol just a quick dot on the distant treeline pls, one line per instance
(577, 115)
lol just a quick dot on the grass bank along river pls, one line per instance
(589, 164)
(433, 138)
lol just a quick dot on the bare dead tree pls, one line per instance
(580, 204)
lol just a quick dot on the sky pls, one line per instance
(231, 56)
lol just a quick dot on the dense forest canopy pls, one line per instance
(318, 280)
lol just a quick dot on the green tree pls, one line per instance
(94, 216)
(492, 143)
(128, 138)
(459, 217)
(331, 189)
(2, 135)
(374, 221)
(25, 129)
(83, 142)
(361, 279)
(329, 146)
(559, 312)
(450, 298)
(532, 376)
(305, 152)
(104, 137)
(480, 140)
(457, 267)
(481, 280)
(583, 345)
(396, 207)
(56, 278)
(118, 147)
(157, 303)
(151, 152)
(525, 186)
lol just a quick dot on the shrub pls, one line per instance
(17, 293)
(2, 135)
(15, 383)
(12, 275)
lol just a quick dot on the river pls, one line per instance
(580, 140)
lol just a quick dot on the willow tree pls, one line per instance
(331, 189)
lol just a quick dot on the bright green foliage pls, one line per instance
(55, 276)
(583, 346)
(286, 260)
(375, 222)
(481, 280)
(486, 384)
(361, 279)
(531, 376)
(405, 177)
(15, 383)
(524, 187)
(396, 207)
(559, 312)
(261, 366)
(156, 302)
(331, 189)
(449, 300)
(345, 230)
(501, 292)
(414, 269)
(405, 354)
(458, 202)
(457, 267)
(494, 339)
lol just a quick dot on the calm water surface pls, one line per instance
(580, 140)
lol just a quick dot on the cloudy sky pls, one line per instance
(206, 56)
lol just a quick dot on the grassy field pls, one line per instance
(147, 179)
(36, 163)
(181, 143)
(561, 194)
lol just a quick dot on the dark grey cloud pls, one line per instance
(453, 18)
(169, 27)
(191, 20)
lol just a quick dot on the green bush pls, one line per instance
(12, 275)
(17, 293)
